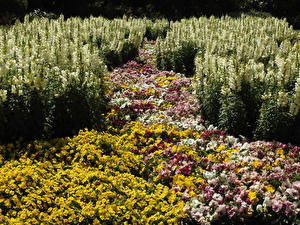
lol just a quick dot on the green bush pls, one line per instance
(274, 122)
(22, 116)
(157, 28)
(177, 52)
(118, 40)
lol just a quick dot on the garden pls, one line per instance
(150, 121)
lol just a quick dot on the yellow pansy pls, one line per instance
(270, 188)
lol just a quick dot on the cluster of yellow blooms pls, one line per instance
(166, 142)
(92, 178)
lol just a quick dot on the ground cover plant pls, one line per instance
(154, 161)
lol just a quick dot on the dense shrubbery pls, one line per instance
(157, 28)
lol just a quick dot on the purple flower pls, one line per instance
(228, 196)
(289, 209)
(176, 189)
(185, 169)
(208, 194)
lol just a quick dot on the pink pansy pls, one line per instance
(276, 205)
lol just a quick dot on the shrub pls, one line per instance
(156, 28)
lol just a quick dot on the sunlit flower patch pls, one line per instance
(92, 178)
(156, 164)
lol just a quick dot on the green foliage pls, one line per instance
(274, 122)
(129, 51)
(117, 40)
(233, 115)
(209, 97)
(22, 116)
(52, 72)
(179, 57)
(74, 110)
(157, 28)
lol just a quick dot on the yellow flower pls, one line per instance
(270, 188)
(220, 148)
(249, 210)
(245, 163)
(212, 157)
(189, 183)
(192, 194)
(252, 195)
(276, 163)
(279, 151)
(256, 164)
(172, 197)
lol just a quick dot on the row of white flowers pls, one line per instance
(241, 56)
(34, 52)
(236, 50)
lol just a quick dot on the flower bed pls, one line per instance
(156, 164)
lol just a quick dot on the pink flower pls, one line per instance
(176, 189)
(185, 169)
(219, 199)
(165, 172)
(276, 206)
(244, 208)
(228, 196)
(185, 195)
(231, 210)
(289, 209)
(296, 185)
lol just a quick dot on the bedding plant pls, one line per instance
(155, 163)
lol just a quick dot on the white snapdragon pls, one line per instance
(295, 106)
(3, 95)
(282, 99)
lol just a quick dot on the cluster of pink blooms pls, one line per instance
(240, 181)
(251, 182)
(141, 92)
